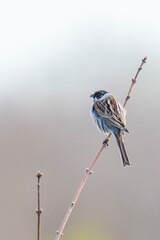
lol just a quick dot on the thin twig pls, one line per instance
(129, 94)
(89, 170)
(134, 81)
(38, 210)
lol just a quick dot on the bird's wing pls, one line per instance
(111, 111)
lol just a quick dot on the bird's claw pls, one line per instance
(105, 142)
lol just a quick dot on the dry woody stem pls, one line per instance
(89, 170)
(38, 210)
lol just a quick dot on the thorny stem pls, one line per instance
(38, 210)
(89, 170)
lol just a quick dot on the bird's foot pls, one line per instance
(105, 142)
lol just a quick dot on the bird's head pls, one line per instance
(99, 95)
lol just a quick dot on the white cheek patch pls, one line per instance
(105, 96)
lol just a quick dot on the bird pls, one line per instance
(110, 117)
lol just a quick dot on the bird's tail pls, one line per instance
(122, 150)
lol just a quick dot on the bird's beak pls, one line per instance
(92, 95)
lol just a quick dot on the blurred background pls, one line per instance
(53, 55)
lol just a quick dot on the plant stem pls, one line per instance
(134, 81)
(89, 171)
(38, 210)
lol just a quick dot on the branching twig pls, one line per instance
(38, 210)
(89, 170)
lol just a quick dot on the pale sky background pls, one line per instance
(53, 55)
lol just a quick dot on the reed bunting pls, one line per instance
(110, 117)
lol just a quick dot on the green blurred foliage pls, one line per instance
(86, 233)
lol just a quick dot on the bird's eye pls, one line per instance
(100, 95)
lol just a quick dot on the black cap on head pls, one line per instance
(98, 94)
